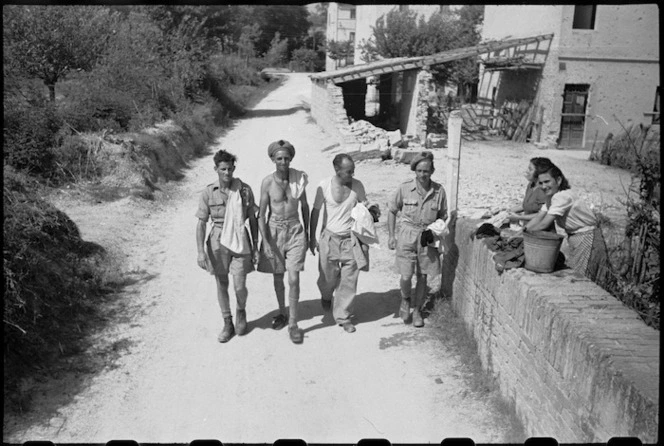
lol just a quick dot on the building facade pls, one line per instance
(600, 71)
(341, 23)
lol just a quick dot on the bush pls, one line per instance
(29, 135)
(52, 280)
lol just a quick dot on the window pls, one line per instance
(351, 37)
(352, 13)
(584, 17)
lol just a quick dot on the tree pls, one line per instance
(340, 51)
(47, 42)
(290, 21)
(278, 52)
(401, 34)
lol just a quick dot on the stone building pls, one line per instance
(601, 68)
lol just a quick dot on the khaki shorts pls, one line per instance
(289, 247)
(411, 257)
(222, 261)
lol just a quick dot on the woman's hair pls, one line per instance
(556, 173)
(223, 156)
(339, 159)
(541, 165)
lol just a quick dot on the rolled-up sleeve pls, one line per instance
(396, 203)
(203, 211)
(560, 203)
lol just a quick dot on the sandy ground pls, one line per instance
(171, 381)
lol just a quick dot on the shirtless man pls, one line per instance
(337, 264)
(285, 240)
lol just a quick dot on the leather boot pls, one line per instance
(417, 318)
(241, 322)
(228, 330)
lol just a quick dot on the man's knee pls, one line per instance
(293, 279)
(222, 279)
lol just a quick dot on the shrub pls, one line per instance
(52, 280)
(29, 135)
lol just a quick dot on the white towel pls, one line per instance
(297, 181)
(363, 225)
(440, 230)
(233, 233)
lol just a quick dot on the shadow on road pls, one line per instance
(369, 307)
(268, 113)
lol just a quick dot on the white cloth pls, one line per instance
(363, 225)
(440, 230)
(233, 233)
(297, 182)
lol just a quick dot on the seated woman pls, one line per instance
(534, 197)
(587, 250)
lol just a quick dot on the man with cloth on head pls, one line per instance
(284, 244)
(422, 203)
(342, 255)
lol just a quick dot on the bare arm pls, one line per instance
(540, 222)
(304, 204)
(262, 210)
(200, 243)
(313, 222)
(391, 224)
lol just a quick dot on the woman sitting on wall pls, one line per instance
(534, 197)
(587, 250)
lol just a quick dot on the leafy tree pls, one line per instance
(47, 42)
(290, 21)
(401, 34)
(340, 51)
(305, 59)
(278, 52)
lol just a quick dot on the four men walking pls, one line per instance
(231, 248)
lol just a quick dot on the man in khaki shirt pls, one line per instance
(421, 202)
(217, 258)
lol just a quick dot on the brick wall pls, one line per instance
(327, 109)
(577, 364)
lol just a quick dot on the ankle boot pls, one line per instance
(417, 318)
(228, 330)
(241, 322)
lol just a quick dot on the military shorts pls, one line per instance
(288, 245)
(221, 261)
(411, 257)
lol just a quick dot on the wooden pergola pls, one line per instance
(409, 63)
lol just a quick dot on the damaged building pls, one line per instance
(601, 70)
(391, 93)
(578, 74)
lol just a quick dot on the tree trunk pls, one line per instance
(51, 89)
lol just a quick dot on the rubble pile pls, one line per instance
(366, 133)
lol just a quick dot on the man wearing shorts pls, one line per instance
(284, 245)
(213, 256)
(421, 202)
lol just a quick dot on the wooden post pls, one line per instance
(454, 124)
(540, 121)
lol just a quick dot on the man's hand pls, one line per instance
(392, 242)
(202, 261)
(514, 218)
(313, 245)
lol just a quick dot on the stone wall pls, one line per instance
(327, 109)
(576, 363)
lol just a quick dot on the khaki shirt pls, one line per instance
(212, 203)
(417, 209)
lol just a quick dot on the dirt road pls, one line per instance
(171, 381)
